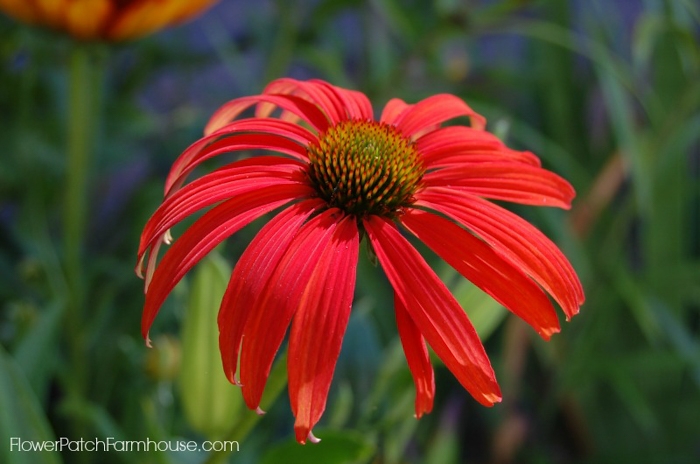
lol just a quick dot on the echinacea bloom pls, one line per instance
(339, 176)
(112, 20)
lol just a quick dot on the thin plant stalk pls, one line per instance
(84, 82)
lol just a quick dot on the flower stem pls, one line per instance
(83, 87)
(80, 143)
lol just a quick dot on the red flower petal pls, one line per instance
(456, 144)
(434, 310)
(519, 183)
(251, 274)
(319, 325)
(205, 234)
(319, 95)
(363, 108)
(296, 105)
(295, 132)
(353, 104)
(393, 110)
(275, 306)
(481, 265)
(434, 111)
(417, 357)
(234, 179)
(514, 239)
(209, 147)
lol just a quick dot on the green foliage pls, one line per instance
(334, 448)
(22, 422)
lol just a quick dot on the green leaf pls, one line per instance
(21, 417)
(210, 401)
(335, 448)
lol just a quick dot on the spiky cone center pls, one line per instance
(365, 168)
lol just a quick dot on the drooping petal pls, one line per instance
(284, 131)
(435, 110)
(481, 265)
(455, 144)
(393, 110)
(515, 182)
(307, 111)
(275, 306)
(209, 147)
(354, 105)
(319, 326)
(319, 95)
(363, 107)
(434, 310)
(251, 274)
(417, 357)
(205, 234)
(234, 179)
(514, 239)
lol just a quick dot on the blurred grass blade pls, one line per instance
(21, 417)
(622, 119)
(35, 353)
(679, 337)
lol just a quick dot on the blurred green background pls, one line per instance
(607, 93)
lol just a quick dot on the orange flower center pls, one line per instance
(365, 168)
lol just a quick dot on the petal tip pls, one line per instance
(302, 436)
(313, 439)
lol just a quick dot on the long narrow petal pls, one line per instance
(224, 183)
(515, 182)
(157, 229)
(205, 234)
(434, 111)
(271, 126)
(364, 106)
(306, 110)
(251, 274)
(481, 265)
(311, 91)
(355, 104)
(417, 357)
(202, 151)
(452, 144)
(514, 239)
(274, 308)
(434, 310)
(319, 326)
(393, 110)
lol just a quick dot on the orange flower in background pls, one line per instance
(341, 176)
(111, 20)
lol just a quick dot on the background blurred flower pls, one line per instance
(354, 177)
(105, 19)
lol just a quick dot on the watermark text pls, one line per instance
(17, 444)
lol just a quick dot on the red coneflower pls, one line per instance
(343, 176)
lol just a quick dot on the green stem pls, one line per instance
(83, 89)
(80, 143)
(276, 382)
